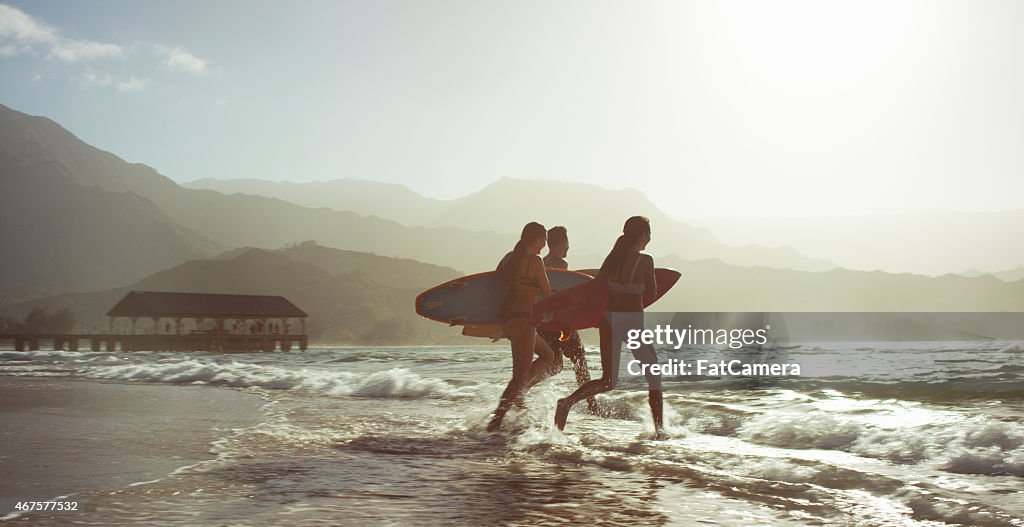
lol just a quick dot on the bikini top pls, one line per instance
(628, 288)
(520, 278)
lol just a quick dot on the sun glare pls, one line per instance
(811, 45)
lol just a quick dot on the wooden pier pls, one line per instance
(219, 323)
(197, 341)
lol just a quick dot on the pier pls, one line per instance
(176, 321)
(199, 341)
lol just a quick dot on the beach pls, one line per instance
(923, 434)
(68, 437)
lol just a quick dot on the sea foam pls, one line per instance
(977, 445)
(393, 383)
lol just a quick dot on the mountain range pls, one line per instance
(80, 227)
(1009, 275)
(63, 232)
(169, 223)
(593, 215)
(351, 297)
(38, 151)
(711, 285)
(932, 243)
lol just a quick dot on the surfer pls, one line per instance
(572, 347)
(524, 273)
(630, 276)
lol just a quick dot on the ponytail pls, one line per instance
(614, 260)
(634, 228)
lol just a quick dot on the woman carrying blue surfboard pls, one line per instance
(524, 275)
(630, 280)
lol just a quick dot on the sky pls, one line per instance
(794, 108)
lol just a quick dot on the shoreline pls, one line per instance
(65, 436)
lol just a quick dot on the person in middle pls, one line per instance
(523, 271)
(572, 347)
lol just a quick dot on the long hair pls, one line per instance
(531, 232)
(634, 228)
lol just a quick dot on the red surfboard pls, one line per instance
(582, 306)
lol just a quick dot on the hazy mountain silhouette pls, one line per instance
(59, 233)
(1009, 275)
(37, 143)
(368, 198)
(34, 145)
(77, 218)
(932, 243)
(711, 285)
(594, 215)
(358, 298)
(352, 298)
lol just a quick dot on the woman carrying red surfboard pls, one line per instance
(524, 274)
(630, 279)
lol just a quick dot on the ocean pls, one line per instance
(871, 433)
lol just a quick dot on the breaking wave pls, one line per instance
(393, 383)
(977, 445)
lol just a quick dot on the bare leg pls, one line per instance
(646, 355)
(594, 387)
(579, 363)
(547, 363)
(522, 335)
(654, 399)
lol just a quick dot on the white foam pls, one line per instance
(776, 470)
(803, 430)
(1006, 436)
(400, 382)
(41, 355)
(976, 445)
(393, 383)
(951, 512)
(898, 446)
(988, 448)
(43, 363)
(989, 460)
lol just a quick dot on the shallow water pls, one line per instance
(870, 434)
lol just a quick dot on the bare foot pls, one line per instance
(660, 435)
(495, 423)
(562, 413)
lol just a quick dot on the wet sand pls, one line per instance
(917, 434)
(62, 436)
